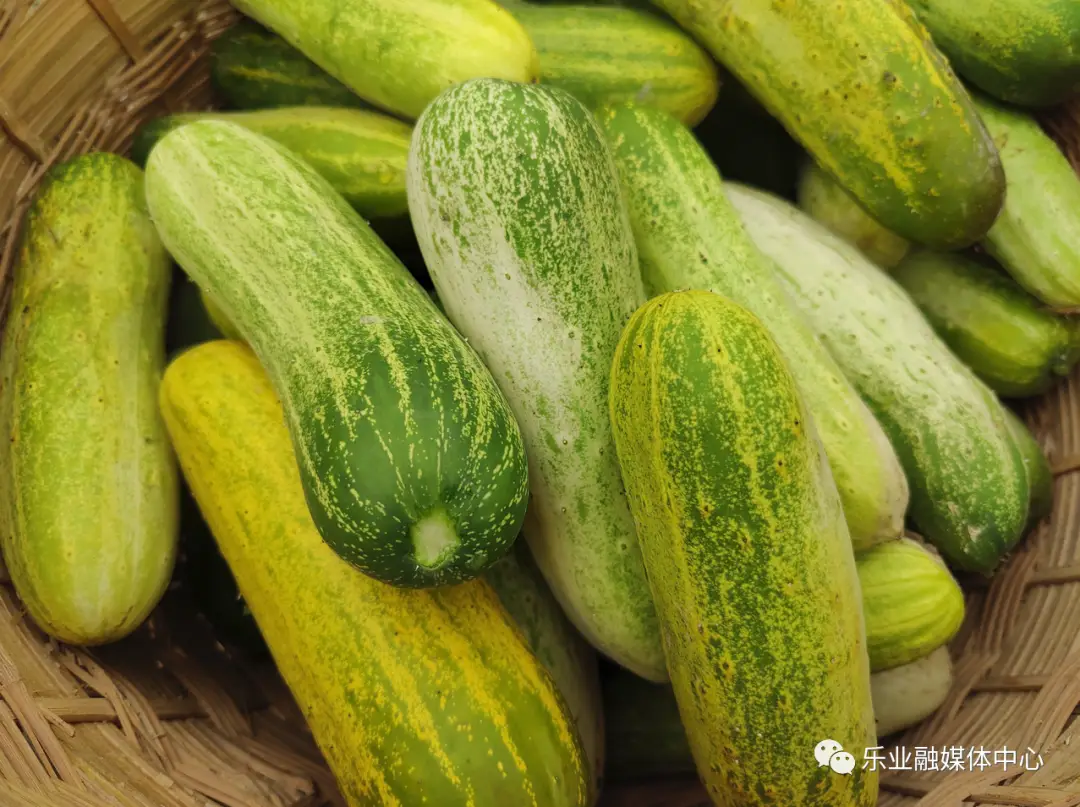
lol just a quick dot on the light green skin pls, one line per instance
(827, 203)
(400, 56)
(690, 237)
(907, 695)
(89, 506)
(517, 209)
(748, 555)
(969, 495)
(608, 54)
(411, 460)
(361, 153)
(1024, 52)
(861, 86)
(1040, 476)
(1037, 236)
(998, 330)
(911, 602)
(560, 648)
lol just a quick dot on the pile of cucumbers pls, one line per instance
(560, 394)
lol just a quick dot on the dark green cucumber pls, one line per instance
(1040, 477)
(1024, 52)
(862, 87)
(996, 328)
(410, 457)
(748, 556)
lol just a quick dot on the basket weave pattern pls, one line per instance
(158, 722)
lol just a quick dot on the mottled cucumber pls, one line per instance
(1039, 475)
(907, 695)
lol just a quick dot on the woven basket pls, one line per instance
(163, 721)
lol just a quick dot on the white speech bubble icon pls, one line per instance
(824, 751)
(842, 763)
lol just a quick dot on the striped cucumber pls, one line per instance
(517, 208)
(862, 87)
(89, 504)
(998, 330)
(1037, 236)
(969, 494)
(411, 459)
(749, 559)
(399, 56)
(1039, 475)
(361, 153)
(388, 678)
(690, 237)
(606, 54)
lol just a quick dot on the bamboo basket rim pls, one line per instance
(159, 720)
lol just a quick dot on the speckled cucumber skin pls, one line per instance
(998, 330)
(517, 209)
(861, 86)
(414, 696)
(1024, 52)
(564, 653)
(1037, 236)
(690, 237)
(362, 154)
(1039, 475)
(749, 559)
(89, 504)
(968, 488)
(608, 54)
(411, 459)
(400, 56)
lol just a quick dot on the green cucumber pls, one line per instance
(253, 68)
(564, 653)
(1024, 52)
(829, 204)
(873, 101)
(399, 56)
(912, 603)
(517, 208)
(1037, 236)
(607, 54)
(218, 318)
(748, 556)
(361, 153)
(89, 504)
(969, 494)
(1040, 476)
(690, 237)
(998, 330)
(410, 457)
(907, 695)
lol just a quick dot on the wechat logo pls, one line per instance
(829, 753)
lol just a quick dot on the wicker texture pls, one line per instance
(155, 722)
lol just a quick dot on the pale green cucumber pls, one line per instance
(907, 695)
(969, 494)
(690, 237)
(517, 208)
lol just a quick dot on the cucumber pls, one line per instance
(218, 318)
(412, 695)
(969, 495)
(564, 653)
(89, 504)
(607, 54)
(907, 695)
(911, 602)
(872, 100)
(1023, 52)
(998, 330)
(253, 68)
(399, 56)
(827, 203)
(748, 556)
(411, 459)
(361, 153)
(1037, 236)
(1039, 475)
(690, 237)
(517, 208)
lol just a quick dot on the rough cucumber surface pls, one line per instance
(516, 205)
(968, 487)
(89, 504)
(411, 459)
(748, 555)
